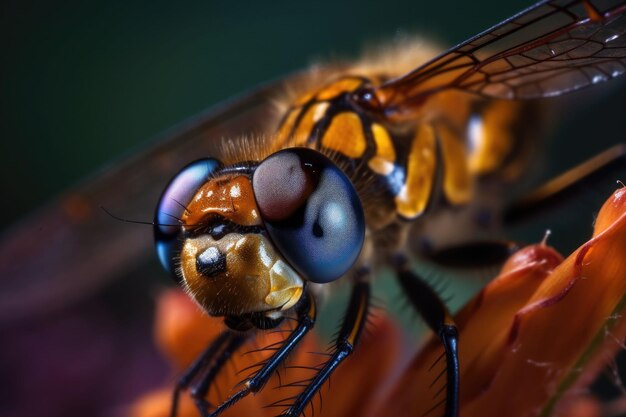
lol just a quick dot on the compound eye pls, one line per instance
(171, 208)
(311, 211)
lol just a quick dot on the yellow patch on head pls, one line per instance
(255, 278)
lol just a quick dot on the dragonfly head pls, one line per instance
(245, 238)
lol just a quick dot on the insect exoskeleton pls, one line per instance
(245, 239)
(435, 146)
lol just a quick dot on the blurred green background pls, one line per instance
(86, 82)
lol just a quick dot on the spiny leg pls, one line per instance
(199, 364)
(429, 305)
(599, 170)
(353, 324)
(201, 388)
(306, 319)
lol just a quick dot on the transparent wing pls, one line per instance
(71, 248)
(548, 49)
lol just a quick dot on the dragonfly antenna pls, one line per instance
(152, 223)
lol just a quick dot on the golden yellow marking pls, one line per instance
(383, 162)
(338, 87)
(345, 135)
(397, 95)
(284, 131)
(304, 99)
(414, 195)
(453, 107)
(305, 127)
(491, 137)
(457, 181)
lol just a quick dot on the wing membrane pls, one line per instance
(549, 49)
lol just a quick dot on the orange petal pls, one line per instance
(158, 403)
(484, 318)
(527, 337)
(611, 211)
(582, 406)
(181, 330)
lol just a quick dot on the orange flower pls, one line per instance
(529, 342)
(537, 334)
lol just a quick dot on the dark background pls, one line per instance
(84, 83)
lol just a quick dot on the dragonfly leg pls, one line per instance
(558, 192)
(353, 324)
(200, 389)
(306, 319)
(430, 306)
(198, 366)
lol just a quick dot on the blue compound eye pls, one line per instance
(171, 208)
(311, 211)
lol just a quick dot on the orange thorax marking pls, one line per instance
(384, 161)
(297, 128)
(469, 140)
(420, 174)
(345, 135)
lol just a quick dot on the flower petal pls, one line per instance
(527, 337)
(181, 330)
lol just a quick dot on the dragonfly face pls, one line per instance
(250, 234)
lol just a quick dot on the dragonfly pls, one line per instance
(399, 149)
